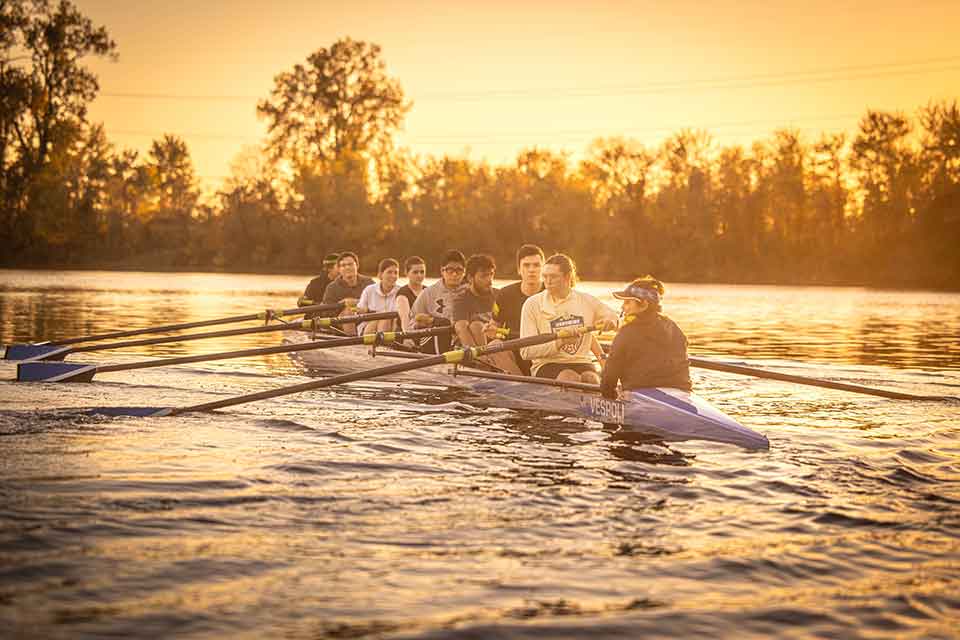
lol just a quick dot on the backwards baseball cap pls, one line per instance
(331, 259)
(637, 292)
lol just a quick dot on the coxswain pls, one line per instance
(649, 350)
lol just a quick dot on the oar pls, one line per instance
(62, 352)
(33, 350)
(814, 382)
(457, 356)
(744, 370)
(74, 372)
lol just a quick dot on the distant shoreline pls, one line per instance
(584, 277)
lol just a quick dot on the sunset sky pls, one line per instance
(489, 79)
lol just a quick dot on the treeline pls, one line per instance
(879, 207)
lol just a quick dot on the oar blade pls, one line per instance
(51, 371)
(34, 352)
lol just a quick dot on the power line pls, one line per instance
(466, 138)
(835, 74)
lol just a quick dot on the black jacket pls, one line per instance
(650, 351)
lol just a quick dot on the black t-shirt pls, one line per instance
(407, 293)
(510, 301)
(650, 351)
(470, 307)
(316, 288)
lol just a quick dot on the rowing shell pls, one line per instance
(666, 413)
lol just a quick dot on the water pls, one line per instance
(383, 512)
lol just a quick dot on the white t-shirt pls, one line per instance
(542, 313)
(375, 301)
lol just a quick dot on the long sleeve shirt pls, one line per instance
(542, 313)
(650, 351)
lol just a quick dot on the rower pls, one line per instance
(416, 270)
(348, 286)
(560, 306)
(473, 312)
(650, 350)
(510, 298)
(313, 294)
(381, 296)
(434, 305)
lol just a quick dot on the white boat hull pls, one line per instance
(664, 413)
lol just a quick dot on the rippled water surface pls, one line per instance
(386, 511)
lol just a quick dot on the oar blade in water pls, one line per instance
(52, 371)
(34, 351)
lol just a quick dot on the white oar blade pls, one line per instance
(46, 371)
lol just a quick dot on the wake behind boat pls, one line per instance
(665, 413)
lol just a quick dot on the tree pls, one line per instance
(340, 101)
(618, 173)
(45, 92)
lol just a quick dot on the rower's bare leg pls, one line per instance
(503, 361)
(348, 329)
(370, 328)
(590, 377)
(568, 375)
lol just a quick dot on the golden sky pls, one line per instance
(489, 79)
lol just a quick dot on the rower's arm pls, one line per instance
(462, 328)
(528, 327)
(403, 310)
(612, 370)
(597, 350)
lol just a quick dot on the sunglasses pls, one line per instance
(452, 269)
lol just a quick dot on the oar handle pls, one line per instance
(263, 315)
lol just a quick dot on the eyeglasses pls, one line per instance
(452, 269)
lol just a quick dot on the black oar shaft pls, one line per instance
(814, 382)
(223, 333)
(263, 351)
(313, 384)
(449, 357)
(195, 325)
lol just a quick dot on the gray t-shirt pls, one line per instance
(437, 300)
(470, 307)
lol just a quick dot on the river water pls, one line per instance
(378, 511)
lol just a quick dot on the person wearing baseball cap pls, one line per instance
(314, 291)
(649, 350)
